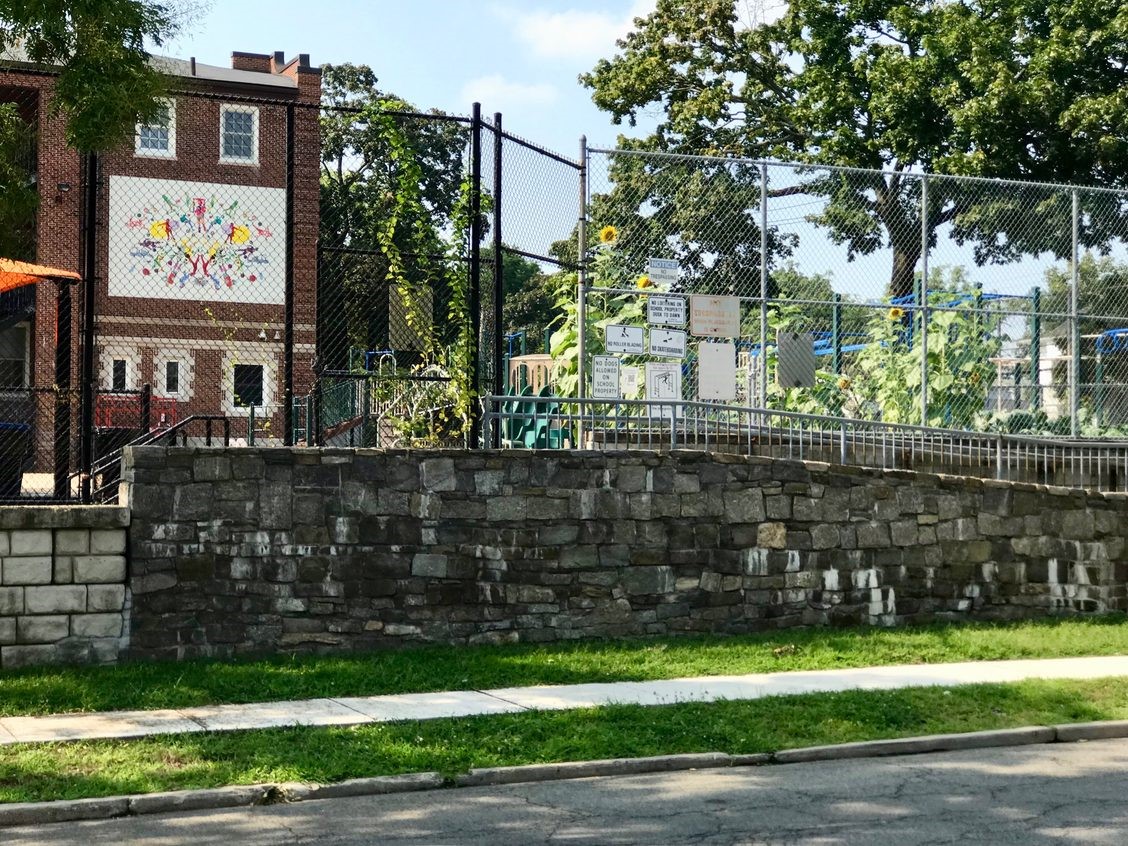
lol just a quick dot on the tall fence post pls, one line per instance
(763, 284)
(923, 303)
(499, 280)
(288, 319)
(86, 377)
(1036, 347)
(475, 270)
(1074, 322)
(581, 286)
(63, 316)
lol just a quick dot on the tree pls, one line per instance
(106, 81)
(390, 187)
(1018, 89)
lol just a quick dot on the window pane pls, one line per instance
(155, 135)
(238, 135)
(118, 383)
(248, 385)
(172, 377)
(11, 373)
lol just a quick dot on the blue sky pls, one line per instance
(519, 57)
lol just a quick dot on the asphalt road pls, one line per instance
(1052, 794)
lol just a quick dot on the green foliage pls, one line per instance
(106, 81)
(1017, 89)
(20, 198)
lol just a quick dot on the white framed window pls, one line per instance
(249, 379)
(173, 371)
(157, 139)
(121, 368)
(238, 134)
(14, 358)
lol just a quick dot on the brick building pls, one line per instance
(192, 248)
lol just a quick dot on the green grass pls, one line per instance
(104, 768)
(184, 684)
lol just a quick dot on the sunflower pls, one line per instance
(608, 235)
(975, 377)
(844, 383)
(644, 281)
(896, 313)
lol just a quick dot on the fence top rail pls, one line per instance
(905, 174)
(823, 422)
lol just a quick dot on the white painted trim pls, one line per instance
(249, 110)
(146, 153)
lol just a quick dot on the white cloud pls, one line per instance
(573, 34)
(497, 92)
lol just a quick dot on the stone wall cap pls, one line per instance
(64, 517)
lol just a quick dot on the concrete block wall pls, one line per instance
(63, 596)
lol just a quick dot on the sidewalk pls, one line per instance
(467, 703)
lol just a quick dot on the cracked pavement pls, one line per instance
(1045, 794)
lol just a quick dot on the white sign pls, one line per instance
(665, 311)
(716, 371)
(628, 378)
(625, 339)
(605, 377)
(196, 241)
(663, 271)
(669, 343)
(663, 382)
(714, 317)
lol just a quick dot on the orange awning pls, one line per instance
(16, 274)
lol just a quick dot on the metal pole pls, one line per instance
(86, 372)
(763, 285)
(63, 316)
(288, 320)
(499, 278)
(475, 267)
(581, 287)
(1074, 324)
(1036, 348)
(923, 302)
(836, 334)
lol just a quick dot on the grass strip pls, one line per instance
(206, 682)
(42, 772)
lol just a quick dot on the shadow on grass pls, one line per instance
(430, 668)
(75, 770)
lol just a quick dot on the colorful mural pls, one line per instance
(196, 241)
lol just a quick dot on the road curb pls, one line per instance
(43, 813)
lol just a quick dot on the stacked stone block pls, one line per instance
(62, 584)
(256, 550)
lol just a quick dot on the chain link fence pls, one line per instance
(956, 303)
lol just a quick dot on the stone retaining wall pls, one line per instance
(257, 550)
(62, 584)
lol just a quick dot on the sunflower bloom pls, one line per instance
(975, 377)
(644, 281)
(608, 235)
(896, 313)
(844, 383)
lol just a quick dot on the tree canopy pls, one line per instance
(106, 81)
(1023, 89)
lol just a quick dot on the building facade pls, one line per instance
(202, 221)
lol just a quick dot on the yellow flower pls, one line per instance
(644, 282)
(844, 383)
(975, 377)
(608, 234)
(896, 313)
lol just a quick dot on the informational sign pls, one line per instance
(716, 370)
(625, 339)
(663, 271)
(667, 343)
(795, 367)
(665, 311)
(714, 317)
(628, 379)
(663, 382)
(605, 377)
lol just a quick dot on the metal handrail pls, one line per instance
(1097, 464)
